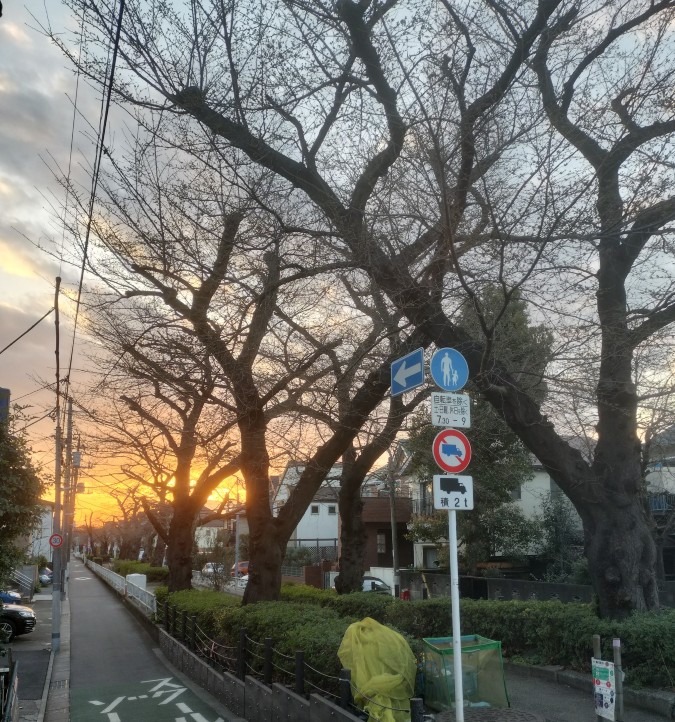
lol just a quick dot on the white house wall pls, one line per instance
(322, 525)
(533, 494)
(661, 479)
(40, 537)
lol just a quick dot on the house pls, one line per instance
(39, 539)
(206, 535)
(320, 525)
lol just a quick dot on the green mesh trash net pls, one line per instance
(482, 673)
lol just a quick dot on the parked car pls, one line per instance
(374, 584)
(242, 581)
(243, 569)
(211, 568)
(15, 620)
(8, 597)
(46, 576)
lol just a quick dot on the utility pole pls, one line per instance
(68, 497)
(394, 536)
(56, 576)
(75, 475)
(236, 548)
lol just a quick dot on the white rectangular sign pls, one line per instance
(604, 688)
(448, 409)
(453, 492)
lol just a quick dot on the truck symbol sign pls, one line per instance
(452, 483)
(451, 450)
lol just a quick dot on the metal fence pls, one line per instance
(140, 597)
(9, 681)
(260, 660)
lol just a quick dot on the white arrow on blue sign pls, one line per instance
(407, 372)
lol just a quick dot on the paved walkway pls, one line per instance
(109, 669)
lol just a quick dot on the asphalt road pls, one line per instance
(116, 673)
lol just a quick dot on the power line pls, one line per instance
(26, 331)
(97, 168)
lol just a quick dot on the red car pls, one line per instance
(243, 569)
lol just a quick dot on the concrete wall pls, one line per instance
(251, 700)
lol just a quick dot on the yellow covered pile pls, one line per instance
(383, 670)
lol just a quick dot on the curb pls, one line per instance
(660, 702)
(45, 689)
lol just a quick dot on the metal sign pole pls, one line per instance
(456, 627)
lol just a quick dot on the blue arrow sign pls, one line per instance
(407, 372)
(449, 369)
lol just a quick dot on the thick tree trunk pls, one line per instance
(621, 557)
(158, 552)
(265, 548)
(352, 542)
(181, 540)
(266, 552)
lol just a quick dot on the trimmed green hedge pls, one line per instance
(533, 632)
(153, 574)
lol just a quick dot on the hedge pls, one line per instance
(127, 566)
(533, 632)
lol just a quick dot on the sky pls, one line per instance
(37, 86)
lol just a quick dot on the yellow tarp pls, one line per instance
(383, 670)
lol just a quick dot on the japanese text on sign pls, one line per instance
(448, 409)
(604, 688)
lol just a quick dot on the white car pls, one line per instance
(211, 568)
(242, 581)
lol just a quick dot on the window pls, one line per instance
(516, 494)
(315, 509)
(381, 542)
(332, 509)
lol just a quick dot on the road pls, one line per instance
(117, 674)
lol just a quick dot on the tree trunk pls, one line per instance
(181, 540)
(158, 552)
(621, 557)
(352, 542)
(266, 552)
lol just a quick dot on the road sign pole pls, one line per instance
(456, 627)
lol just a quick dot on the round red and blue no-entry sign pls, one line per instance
(452, 451)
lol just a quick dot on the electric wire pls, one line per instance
(72, 140)
(9, 345)
(100, 149)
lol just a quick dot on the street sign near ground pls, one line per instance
(55, 541)
(452, 451)
(449, 369)
(453, 492)
(407, 372)
(450, 410)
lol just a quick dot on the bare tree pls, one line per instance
(329, 96)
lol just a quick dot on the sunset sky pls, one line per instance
(37, 87)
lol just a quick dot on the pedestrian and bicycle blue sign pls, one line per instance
(407, 372)
(449, 369)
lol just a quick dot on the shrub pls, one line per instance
(153, 574)
(361, 604)
(550, 632)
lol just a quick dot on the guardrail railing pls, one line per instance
(141, 598)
